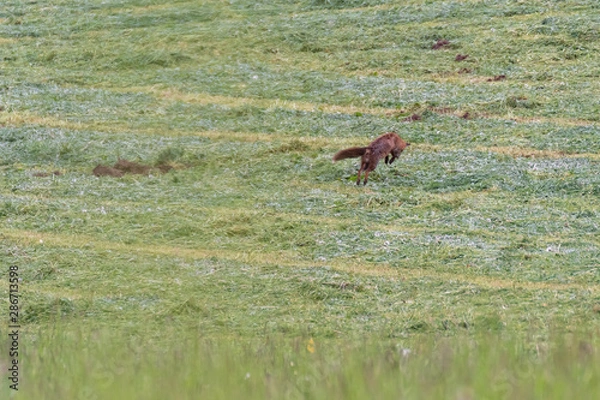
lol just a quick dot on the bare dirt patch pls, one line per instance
(497, 78)
(129, 167)
(124, 166)
(102, 170)
(461, 57)
(440, 44)
(442, 110)
(412, 118)
(164, 168)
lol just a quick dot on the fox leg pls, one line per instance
(389, 160)
(364, 165)
(370, 167)
(367, 175)
(360, 170)
(395, 154)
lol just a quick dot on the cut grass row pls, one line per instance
(136, 289)
(543, 56)
(292, 259)
(438, 131)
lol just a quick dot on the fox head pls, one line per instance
(400, 143)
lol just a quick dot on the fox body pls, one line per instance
(387, 146)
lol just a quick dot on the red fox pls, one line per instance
(383, 146)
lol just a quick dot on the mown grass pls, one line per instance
(486, 227)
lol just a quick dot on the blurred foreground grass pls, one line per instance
(107, 365)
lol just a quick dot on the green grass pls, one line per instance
(480, 242)
(412, 368)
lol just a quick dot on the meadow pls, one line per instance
(249, 265)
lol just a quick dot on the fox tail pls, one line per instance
(352, 152)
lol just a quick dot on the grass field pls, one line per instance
(255, 267)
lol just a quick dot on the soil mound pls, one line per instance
(497, 78)
(102, 170)
(440, 44)
(130, 167)
(124, 166)
(412, 118)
